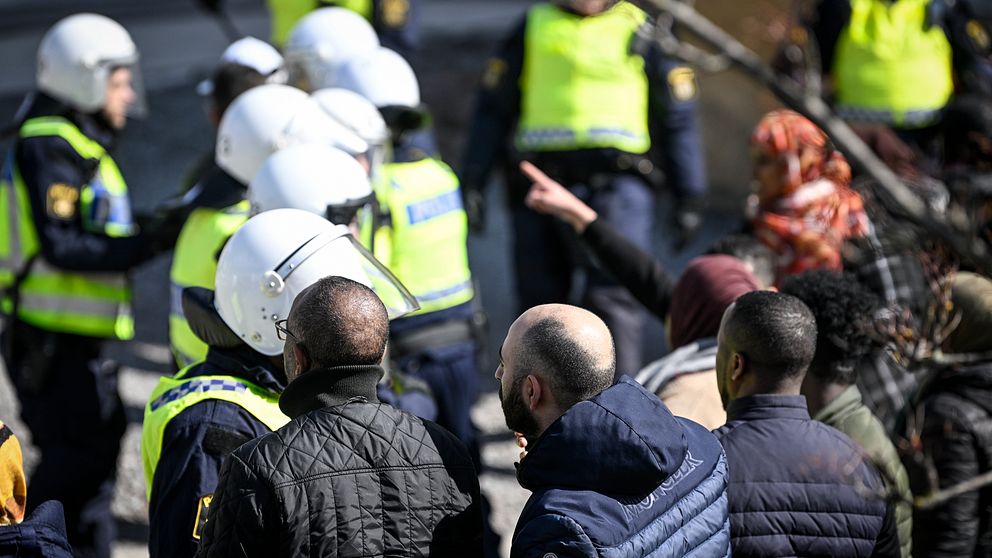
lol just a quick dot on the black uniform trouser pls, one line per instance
(70, 403)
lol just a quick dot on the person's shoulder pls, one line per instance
(950, 409)
(816, 434)
(41, 149)
(540, 530)
(412, 429)
(216, 413)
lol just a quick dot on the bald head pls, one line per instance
(339, 322)
(569, 347)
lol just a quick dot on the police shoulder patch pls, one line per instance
(201, 515)
(978, 35)
(395, 12)
(495, 68)
(682, 83)
(61, 200)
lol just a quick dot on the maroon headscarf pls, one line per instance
(706, 288)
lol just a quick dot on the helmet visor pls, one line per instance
(338, 253)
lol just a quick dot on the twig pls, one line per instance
(935, 499)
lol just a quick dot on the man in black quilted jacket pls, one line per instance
(348, 476)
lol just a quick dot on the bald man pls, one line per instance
(611, 470)
(797, 486)
(349, 476)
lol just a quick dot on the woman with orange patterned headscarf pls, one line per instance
(803, 207)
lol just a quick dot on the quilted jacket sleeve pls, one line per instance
(243, 518)
(554, 535)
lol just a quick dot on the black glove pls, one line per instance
(212, 6)
(475, 208)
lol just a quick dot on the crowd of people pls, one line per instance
(828, 384)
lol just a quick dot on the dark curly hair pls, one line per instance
(844, 309)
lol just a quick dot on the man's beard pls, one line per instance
(518, 417)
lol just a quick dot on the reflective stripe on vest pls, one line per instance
(581, 87)
(889, 68)
(18, 237)
(427, 240)
(174, 395)
(93, 304)
(194, 264)
(285, 14)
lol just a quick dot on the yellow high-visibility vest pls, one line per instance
(889, 68)
(176, 394)
(425, 243)
(81, 303)
(581, 87)
(194, 264)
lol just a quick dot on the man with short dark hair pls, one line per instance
(611, 470)
(843, 309)
(348, 476)
(787, 472)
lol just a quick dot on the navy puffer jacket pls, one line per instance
(799, 487)
(618, 476)
(41, 535)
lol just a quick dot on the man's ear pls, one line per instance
(302, 359)
(737, 366)
(533, 392)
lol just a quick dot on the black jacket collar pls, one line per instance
(768, 406)
(241, 362)
(328, 387)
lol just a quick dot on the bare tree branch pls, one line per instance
(935, 499)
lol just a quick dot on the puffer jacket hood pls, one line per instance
(619, 476)
(637, 445)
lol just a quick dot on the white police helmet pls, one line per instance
(268, 118)
(251, 53)
(313, 177)
(321, 41)
(383, 77)
(278, 254)
(361, 117)
(76, 57)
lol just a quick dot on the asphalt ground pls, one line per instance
(178, 46)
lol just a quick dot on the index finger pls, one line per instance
(534, 173)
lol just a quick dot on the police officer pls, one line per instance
(423, 240)
(893, 63)
(245, 63)
(331, 183)
(591, 103)
(67, 241)
(258, 122)
(395, 21)
(193, 420)
(219, 198)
